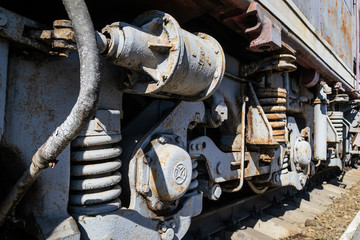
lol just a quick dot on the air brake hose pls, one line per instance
(82, 112)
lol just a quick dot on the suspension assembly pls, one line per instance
(336, 119)
(94, 187)
(273, 102)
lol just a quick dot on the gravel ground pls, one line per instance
(331, 224)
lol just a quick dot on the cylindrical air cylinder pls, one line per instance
(320, 126)
(165, 60)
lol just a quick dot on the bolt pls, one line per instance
(163, 228)
(173, 225)
(168, 234)
(216, 192)
(216, 51)
(158, 206)
(146, 189)
(302, 181)
(162, 140)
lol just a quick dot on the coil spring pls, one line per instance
(94, 180)
(194, 182)
(285, 164)
(273, 102)
(336, 119)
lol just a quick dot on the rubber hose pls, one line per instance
(82, 112)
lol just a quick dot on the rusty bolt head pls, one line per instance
(146, 189)
(62, 24)
(158, 206)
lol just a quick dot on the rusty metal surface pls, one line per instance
(335, 21)
(311, 47)
(281, 63)
(38, 105)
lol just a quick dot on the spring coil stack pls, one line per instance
(273, 102)
(285, 166)
(336, 119)
(194, 182)
(94, 174)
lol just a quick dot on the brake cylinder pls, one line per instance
(165, 60)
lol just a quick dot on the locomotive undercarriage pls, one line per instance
(196, 121)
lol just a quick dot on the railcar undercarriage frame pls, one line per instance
(175, 107)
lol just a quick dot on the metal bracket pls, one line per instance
(20, 29)
(184, 116)
(218, 163)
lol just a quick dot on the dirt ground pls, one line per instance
(331, 224)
